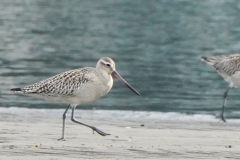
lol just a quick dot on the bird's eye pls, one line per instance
(108, 65)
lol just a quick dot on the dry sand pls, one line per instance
(32, 134)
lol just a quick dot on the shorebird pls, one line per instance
(228, 66)
(76, 87)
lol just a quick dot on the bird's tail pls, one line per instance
(215, 59)
(16, 89)
(211, 60)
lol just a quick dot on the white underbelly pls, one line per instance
(233, 80)
(89, 93)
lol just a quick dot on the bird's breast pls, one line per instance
(92, 90)
(104, 87)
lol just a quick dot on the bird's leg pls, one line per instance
(64, 119)
(224, 104)
(92, 127)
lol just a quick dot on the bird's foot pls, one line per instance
(99, 131)
(222, 118)
(62, 139)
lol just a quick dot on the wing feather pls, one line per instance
(224, 64)
(62, 84)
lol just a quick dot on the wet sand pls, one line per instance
(27, 134)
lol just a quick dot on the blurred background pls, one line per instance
(157, 46)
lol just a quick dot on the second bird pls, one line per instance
(77, 87)
(228, 66)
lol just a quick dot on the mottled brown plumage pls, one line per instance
(224, 64)
(62, 84)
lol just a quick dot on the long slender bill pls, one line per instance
(115, 74)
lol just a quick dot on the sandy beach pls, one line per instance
(28, 134)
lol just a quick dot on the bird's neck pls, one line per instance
(106, 77)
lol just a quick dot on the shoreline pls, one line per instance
(117, 114)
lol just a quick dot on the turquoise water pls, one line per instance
(156, 44)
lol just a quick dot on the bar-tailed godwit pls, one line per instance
(77, 87)
(228, 66)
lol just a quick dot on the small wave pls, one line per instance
(116, 115)
(155, 116)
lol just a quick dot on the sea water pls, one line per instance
(156, 44)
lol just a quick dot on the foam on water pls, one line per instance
(115, 114)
